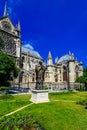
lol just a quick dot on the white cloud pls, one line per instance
(28, 46)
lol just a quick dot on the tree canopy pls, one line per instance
(1, 41)
(83, 79)
(8, 69)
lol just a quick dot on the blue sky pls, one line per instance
(56, 25)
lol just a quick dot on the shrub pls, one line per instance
(45, 88)
(81, 88)
(4, 88)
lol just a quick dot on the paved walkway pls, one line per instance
(17, 110)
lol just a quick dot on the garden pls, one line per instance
(65, 111)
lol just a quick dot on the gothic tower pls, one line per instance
(10, 35)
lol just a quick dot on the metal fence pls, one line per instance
(52, 86)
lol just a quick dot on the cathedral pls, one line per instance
(59, 75)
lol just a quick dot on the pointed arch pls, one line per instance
(33, 78)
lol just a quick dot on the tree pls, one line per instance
(83, 79)
(1, 41)
(8, 69)
(85, 72)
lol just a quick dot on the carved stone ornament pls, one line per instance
(6, 26)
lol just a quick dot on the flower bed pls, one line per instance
(19, 122)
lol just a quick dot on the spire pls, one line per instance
(49, 61)
(49, 55)
(19, 27)
(5, 9)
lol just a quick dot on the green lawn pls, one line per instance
(10, 103)
(74, 96)
(61, 113)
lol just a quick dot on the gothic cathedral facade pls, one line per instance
(65, 69)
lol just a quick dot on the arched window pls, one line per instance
(56, 78)
(21, 76)
(64, 73)
(33, 78)
(23, 59)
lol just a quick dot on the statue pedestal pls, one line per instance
(39, 96)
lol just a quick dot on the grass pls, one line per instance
(57, 115)
(74, 96)
(10, 103)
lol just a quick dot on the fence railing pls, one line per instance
(52, 86)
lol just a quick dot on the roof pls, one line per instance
(7, 17)
(4, 17)
(66, 57)
(31, 52)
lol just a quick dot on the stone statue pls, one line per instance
(40, 71)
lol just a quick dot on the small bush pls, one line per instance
(4, 88)
(81, 88)
(45, 88)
